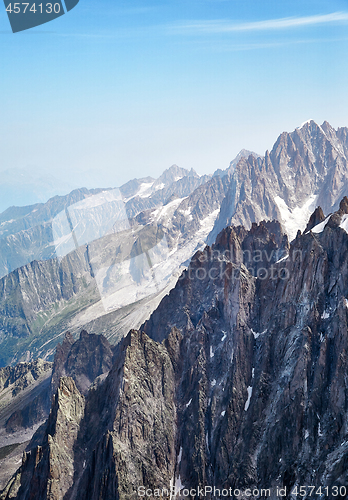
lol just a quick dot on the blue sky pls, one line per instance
(121, 89)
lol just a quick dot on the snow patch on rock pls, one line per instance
(319, 228)
(247, 403)
(188, 404)
(296, 218)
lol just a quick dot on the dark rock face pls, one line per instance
(238, 380)
(133, 446)
(84, 360)
(115, 444)
(316, 217)
(26, 390)
(47, 470)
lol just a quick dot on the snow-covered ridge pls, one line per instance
(344, 223)
(319, 228)
(144, 191)
(304, 123)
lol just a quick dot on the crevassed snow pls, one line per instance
(211, 352)
(167, 210)
(297, 218)
(247, 403)
(187, 213)
(188, 404)
(208, 222)
(319, 228)
(145, 190)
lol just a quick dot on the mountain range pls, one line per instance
(237, 380)
(216, 312)
(44, 292)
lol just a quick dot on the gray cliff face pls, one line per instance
(84, 360)
(37, 297)
(237, 380)
(47, 471)
(24, 399)
(27, 389)
(24, 406)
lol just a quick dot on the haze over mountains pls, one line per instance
(205, 349)
(175, 215)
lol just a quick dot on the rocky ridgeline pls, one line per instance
(20, 376)
(238, 380)
(305, 168)
(27, 390)
(308, 165)
(23, 395)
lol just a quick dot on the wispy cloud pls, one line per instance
(223, 26)
(209, 46)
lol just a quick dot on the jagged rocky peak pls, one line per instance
(173, 174)
(238, 380)
(23, 374)
(104, 445)
(243, 153)
(344, 206)
(84, 360)
(47, 470)
(217, 269)
(305, 168)
(316, 217)
(318, 222)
